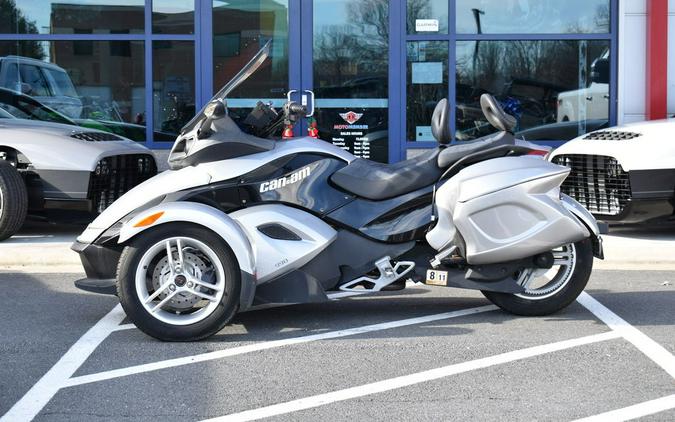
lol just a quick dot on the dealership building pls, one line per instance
(371, 70)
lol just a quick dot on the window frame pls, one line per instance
(453, 37)
(200, 38)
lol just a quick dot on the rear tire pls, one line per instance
(532, 306)
(13, 200)
(179, 319)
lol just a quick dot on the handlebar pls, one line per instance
(296, 109)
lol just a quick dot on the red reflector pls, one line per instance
(540, 152)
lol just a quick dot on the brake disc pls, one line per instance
(192, 265)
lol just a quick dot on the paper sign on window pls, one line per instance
(426, 25)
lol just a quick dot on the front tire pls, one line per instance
(557, 294)
(187, 294)
(13, 200)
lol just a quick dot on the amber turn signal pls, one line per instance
(149, 219)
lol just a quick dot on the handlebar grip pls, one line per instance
(296, 108)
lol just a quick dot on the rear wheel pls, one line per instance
(13, 200)
(550, 290)
(179, 282)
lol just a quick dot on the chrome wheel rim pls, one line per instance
(543, 283)
(180, 281)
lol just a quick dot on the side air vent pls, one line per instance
(597, 182)
(612, 135)
(96, 136)
(276, 231)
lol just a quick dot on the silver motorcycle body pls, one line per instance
(303, 218)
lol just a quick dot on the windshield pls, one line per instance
(29, 109)
(63, 83)
(240, 77)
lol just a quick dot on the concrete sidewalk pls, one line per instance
(42, 247)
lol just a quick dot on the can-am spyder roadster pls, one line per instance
(241, 220)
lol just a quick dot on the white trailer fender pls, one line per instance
(200, 214)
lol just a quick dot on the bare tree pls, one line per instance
(12, 20)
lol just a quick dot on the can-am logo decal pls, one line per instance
(351, 117)
(287, 180)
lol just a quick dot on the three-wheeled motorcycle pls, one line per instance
(243, 219)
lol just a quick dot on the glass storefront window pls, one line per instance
(98, 89)
(173, 16)
(350, 73)
(173, 85)
(532, 16)
(556, 89)
(71, 16)
(240, 29)
(427, 16)
(427, 83)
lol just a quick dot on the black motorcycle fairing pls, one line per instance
(401, 219)
(299, 180)
(377, 181)
(348, 257)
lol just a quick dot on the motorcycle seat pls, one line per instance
(456, 152)
(377, 181)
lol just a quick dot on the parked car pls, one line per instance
(49, 167)
(25, 107)
(46, 82)
(624, 174)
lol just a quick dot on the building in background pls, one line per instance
(372, 70)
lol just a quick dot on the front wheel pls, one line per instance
(178, 282)
(550, 290)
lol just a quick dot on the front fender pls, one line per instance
(202, 215)
(588, 220)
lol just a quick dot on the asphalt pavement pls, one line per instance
(426, 353)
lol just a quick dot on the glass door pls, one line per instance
(331, 55)
(240, 29)
(345, 70)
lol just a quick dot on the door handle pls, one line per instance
(311, 94)
(289, 93)
(589, 98)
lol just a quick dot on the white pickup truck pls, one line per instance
(591, 102)
(46, 82)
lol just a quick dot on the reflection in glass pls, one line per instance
(421, 15)
(71, 16)
(240, 29)
(532, 16)
(557, 90)
(427, 83)
(173, 16)
(99, 89)
(350, 58)
(173, 84)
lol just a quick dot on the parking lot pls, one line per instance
(420, 354)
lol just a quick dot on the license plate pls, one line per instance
(437, 278)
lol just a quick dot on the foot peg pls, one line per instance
(388, 275)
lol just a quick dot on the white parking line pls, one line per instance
(39, 395)
(645, 344)
(633, 412)
(412, 379)
(234, 351)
